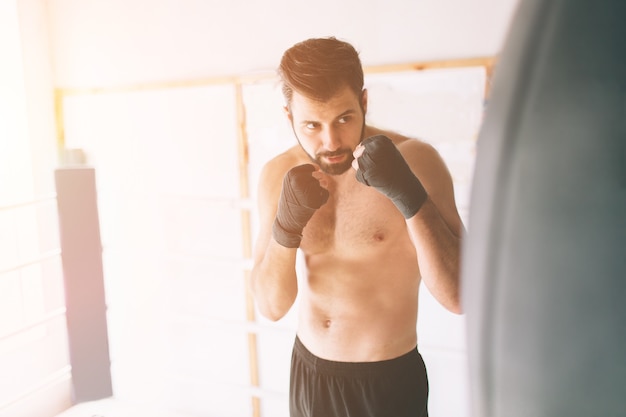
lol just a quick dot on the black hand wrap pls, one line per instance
(383, 167)
(301, 195)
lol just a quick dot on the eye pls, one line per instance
(311, 125)
(344, 119)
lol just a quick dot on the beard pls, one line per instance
(336, 168)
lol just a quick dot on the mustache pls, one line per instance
(330, 154)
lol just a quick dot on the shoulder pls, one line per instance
(419, 153)
(414, 150)
(274, 170)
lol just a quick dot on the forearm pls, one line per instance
(274, 282)
(438, 252)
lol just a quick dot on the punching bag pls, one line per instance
(544, 260)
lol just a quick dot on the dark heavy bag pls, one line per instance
(544, 262)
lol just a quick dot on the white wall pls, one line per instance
(100, 43)
(35, 377)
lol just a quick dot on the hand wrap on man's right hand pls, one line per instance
(300, 197)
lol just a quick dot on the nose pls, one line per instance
(331, 139)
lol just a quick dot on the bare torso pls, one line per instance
(358, 300)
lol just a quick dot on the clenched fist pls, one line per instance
(382, 166)
(300, 197)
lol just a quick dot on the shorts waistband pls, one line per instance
(330, 367)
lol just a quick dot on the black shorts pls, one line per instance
(391, 388)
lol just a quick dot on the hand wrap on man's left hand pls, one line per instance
(383, 167)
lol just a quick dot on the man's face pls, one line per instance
(329, 131)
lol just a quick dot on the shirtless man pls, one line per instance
(373, 213)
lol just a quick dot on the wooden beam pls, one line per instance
(59, 96)
(246, 230)
(430, 65)
(268, 75)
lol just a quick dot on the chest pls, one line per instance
(354, 217)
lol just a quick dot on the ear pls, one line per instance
(364, 100)
(288, 113)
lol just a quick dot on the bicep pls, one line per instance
(428, 165)
(267, 202)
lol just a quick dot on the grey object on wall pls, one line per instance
(84, 283)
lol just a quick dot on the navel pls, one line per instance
(326, 323)
(379, 237)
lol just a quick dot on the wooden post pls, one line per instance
(244, 188)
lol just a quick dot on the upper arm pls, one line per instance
(266, 206)
(428, 165)
(269, 188)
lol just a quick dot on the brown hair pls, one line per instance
(317, 68)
